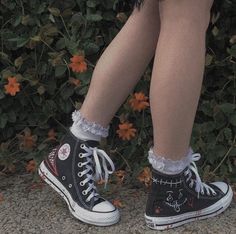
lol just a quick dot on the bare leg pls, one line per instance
(122, 64)
(177, 74)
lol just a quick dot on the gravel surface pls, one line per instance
(41, 210)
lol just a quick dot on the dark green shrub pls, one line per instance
(38, 38)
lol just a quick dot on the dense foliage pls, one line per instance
(39, 88)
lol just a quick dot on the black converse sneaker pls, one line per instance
(178, 199)
(71, 169)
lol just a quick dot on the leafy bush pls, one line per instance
(40, 87)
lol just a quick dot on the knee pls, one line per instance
(187, 12)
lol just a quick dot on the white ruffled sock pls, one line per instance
(168, 166)
(87, 130)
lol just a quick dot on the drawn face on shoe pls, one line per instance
(175, 200)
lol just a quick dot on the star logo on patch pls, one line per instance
(64, 152)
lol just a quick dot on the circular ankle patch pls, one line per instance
(64, 152)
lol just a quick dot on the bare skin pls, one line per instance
(177, 74)
(122, 64)
(179, 49)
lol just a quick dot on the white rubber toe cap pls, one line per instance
(222, 186)
(104, 206)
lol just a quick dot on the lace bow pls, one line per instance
(192, 170)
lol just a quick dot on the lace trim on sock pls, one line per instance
(90, 126)
(167, 165)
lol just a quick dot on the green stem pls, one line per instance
(65, 26)
(225, 156)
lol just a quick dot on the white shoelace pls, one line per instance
(200, 186)
(93, 156)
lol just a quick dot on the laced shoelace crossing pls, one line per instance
(93, 157)
(192, 170)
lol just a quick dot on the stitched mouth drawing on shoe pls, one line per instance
(175, 201)
(166, 182)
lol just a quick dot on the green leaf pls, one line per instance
(54, 11)
(60, 70)
(20, 41)
(206, 108)
(94, 17)
(91, 48)
(220, 120)
(228, 134)
(65, 106)
(67, 92)
(232, 119)
(2, 95)
(41, 90)
(11, 116)
(49, 107)
(17, 21)
(227, 108)
(208, 59)
(3, 120)
(91, 3)
(232, 51)
(215, 31)
(72, 45)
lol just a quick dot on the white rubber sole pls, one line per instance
(163, 223)
(94, 218)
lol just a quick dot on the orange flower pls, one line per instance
(117, 203)
(27, 141)
(138, 101)
(120, 175)
(145, 176)
(74, 81)
(126, 131)
(78, 64)
(13, 86)
(51, 135)
(31, 166)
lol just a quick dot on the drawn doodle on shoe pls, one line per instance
(51, 160)
(158, 210)
(64, 152)
(51, 156)
(166, 182)
(190, 202)
(175, 202)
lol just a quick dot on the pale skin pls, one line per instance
(175, 35)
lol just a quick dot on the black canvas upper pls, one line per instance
(66, 170)
(172, 195)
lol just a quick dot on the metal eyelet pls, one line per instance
(79, 174)
(80, 164)
(82, 146)
(63, 177)
(81, 155)
(84, 192)
(70, 185)
(202, 192)
(81, 183)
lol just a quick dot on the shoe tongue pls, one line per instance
(99, 200)
(92, 143)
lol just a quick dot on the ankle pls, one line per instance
(87, 130)
(166, 165)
